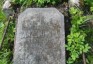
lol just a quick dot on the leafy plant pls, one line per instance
(2, 24)
(43, 2)
(23, 2)
(89, 31)
(4, 56)
(88, 2)
(6, 51)
(36, 2)
(76, 40)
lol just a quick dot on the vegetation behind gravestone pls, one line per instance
(36, 2)
(80, 37)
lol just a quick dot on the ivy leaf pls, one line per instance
(87, 47)
(73, 10)
(70, 41)
(70, 61)
(74, 55)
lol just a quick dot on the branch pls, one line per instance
(84, 58)
(5, 30)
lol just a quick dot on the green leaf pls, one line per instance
(73, 10)
(91, 9)
(1, 24)
(87, 47)
(53, 2)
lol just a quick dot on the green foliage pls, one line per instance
(89, 31)
(7, 49)
(79, 38)
(1, 31)
(6, 52)
(43, 2)
(4, 56)
(39, 3)
(2, 24)
(88, 2)
(23, 2)
(90, 59)
(76, 40)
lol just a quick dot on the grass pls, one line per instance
(6, 53)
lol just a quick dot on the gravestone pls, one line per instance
(40, 37)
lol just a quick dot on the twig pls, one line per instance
(5, 30)
(84, 58)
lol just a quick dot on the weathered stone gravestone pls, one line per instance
(40, 37)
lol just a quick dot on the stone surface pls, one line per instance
(7, 8)
(40, 37)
